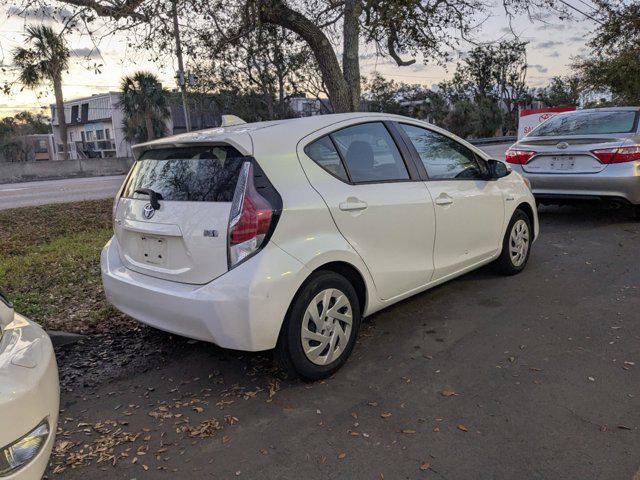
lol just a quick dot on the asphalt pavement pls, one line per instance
(30, 194)
(535, 376)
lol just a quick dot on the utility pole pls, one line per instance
(181, 77)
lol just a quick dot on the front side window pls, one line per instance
(370, 153)
(443, 157)
(587, 123)
(190, 174)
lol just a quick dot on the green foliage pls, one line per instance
(459, 119)
(493, 76)
(45, 57)
(613, 65)
(415, 101)
(267, 67)
(23, 123)
(561, 92)
(11, 128)
(145, 106)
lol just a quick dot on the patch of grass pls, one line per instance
(50, 265)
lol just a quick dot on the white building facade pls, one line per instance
(94, 127)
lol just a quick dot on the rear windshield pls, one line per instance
(190, 174)
(588, 123)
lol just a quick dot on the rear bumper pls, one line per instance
(242, 309)
(29, 391)
(616, 181)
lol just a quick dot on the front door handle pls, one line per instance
(353, 204)
(444, 200)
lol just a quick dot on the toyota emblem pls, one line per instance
(148, 211)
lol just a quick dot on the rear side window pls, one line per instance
(370, 153)
(325, 154)
(588, 123)
(190, 174)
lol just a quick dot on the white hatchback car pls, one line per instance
(286, 233)
(29, 396)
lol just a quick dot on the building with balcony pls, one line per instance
(94, 127)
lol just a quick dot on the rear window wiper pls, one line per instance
(154, 196)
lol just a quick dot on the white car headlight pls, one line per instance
(21, 452)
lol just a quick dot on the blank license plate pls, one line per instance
(154, 250)
(562, 163)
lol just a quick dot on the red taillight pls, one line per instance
(250, 218)
(629, 153)
(518, 156)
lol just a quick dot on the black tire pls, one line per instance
(636, 212)
(290, 353)
(505, 263)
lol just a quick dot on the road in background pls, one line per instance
(30, 194)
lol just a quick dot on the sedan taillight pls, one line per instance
(518, 156)
(629, 153)
(250, 219)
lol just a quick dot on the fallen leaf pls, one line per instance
(408, 431)
(448, 393)
(342, 456)
(463, 428)
(425, 466)
(386, 414)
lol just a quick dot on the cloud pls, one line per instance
(539, 68)
(418, 67)
(552, 26)
(43, 13)
(548, 44)
(86, 52)
(555, 54)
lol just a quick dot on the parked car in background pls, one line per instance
(29, 396)
(286, 233)
(583, 155)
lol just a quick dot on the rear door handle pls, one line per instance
(353, 204)
(444, 200)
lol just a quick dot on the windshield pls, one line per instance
(587, 123)
(189, 174)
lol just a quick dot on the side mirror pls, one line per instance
(497, 169)
(6, 312)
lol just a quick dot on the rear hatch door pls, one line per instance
(185, 240)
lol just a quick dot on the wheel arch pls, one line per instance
(352, 274)
(528, 210)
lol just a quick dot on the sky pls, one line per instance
(552, 44)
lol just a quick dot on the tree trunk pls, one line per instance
(148, 121)
(350, 54)
(62, 124)
(276, 12)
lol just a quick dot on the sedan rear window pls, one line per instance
(588, 123)
(190, 174)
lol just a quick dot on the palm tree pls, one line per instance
(145, 106)
(44, 58)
